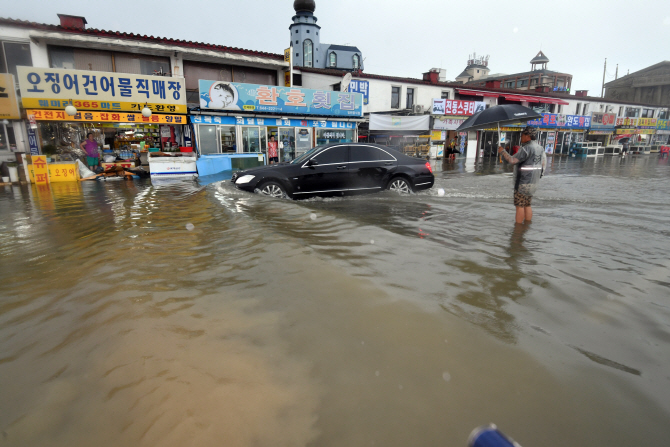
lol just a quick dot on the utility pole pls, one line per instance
(616, 74)
(602, 91)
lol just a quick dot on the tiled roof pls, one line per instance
(137, 37)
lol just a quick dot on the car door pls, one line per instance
(326, 172)
(369, 167)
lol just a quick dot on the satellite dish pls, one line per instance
(344, 86)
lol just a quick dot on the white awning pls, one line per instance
(388, 122)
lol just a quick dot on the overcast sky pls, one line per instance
(406, 38)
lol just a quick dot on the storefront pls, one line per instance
(662, 136)
(448, 115)
(602, 128)
(127, 114)
(9, 118)
(408, 134)
(556, 133)
(639, 131)
(220, 134)
(236, 118)
(58, 132)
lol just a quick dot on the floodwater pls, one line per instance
(184, 314)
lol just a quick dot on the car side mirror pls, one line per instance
(312, 162)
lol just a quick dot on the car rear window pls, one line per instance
(364, 153)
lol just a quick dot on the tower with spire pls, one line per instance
(308, 51)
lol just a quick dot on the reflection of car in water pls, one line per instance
(337, 169)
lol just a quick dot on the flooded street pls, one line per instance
(184, 314)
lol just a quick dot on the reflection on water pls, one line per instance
(195, 314)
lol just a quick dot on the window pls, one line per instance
(395, 97)
(586, 109)
(307, 31)
(207, 140)
(357, 61)
(307, 53)
(15, 54)
(601, 107)
(578, 109)
(621, 111)
(632, 112)
(296, 31)
(663, 115)
(335, 155)
(410, 98)
(647, 113)
(560, 108)
(363, 153)
(297, 41)
(445, 95)
(332, 60)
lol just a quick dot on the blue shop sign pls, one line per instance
(272, 122)
(363, 87)
(552, 120)
(218, 95)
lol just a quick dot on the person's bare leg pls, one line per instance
(528, 211)
(520, 214)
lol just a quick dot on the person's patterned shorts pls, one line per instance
(522, 200)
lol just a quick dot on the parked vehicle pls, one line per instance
(339, 169)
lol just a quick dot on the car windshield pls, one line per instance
(305, 156)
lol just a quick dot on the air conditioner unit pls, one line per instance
(417, 108)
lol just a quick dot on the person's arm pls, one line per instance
(81, 145)
(511, 160)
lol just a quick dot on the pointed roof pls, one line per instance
(540, 59)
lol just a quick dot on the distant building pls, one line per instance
(650, 85)
(308, 51)
(538, 78)
(477, 68)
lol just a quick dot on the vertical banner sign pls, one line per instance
(40, 169)
(288, 75)
(188, 136)
(32, 141)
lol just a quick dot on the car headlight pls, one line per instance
(244, 179)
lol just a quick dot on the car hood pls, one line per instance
(261, 169)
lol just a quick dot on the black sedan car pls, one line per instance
(339, 169)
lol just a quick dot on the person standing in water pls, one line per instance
(529, 164)
(273, 153)
(90, 147)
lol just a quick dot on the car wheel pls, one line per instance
(273, 189)
(400, 185)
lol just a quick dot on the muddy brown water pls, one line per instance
(380, 320)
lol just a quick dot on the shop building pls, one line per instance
(236, 121)
(122, 111)
(80, 50)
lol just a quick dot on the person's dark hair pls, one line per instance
(225, 87)
(89, 134)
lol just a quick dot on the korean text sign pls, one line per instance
(53, 88)
(603, 119)
(9, 106)
(363, 87)
(549, 120)
(455, 107)
(105, 117)
(217, 95)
